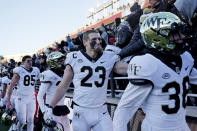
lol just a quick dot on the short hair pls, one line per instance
(134, 7)
(86, 34)
(25, 57)
(118, 21)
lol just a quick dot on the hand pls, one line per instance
(177, 37)
(48, 115)
(8, 104)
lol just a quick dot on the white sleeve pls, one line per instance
(41, 93)
(45, 77)
(17, 70)
(70, 58)
(6, 81)
(193, 77)
(142, 68)
(132, 99)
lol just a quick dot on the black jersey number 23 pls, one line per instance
(98, 82)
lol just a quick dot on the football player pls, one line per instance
(89, 70)
(159, 77)
(14, 91)
(5, 85)
(25, 76)
(49, 81)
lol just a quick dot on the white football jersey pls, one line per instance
(90, 77)
(26, 83)
(49, 76)
(5, 80)
(167, 101)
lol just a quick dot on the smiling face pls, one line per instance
(93, 43)
(28, 63)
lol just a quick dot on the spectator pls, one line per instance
(104, 34)
(133, 19)
(117, 22)
(79, 40)
(64, 47)
(70, 43)
(186, 8)
(35, 61)
(124, 34)
(43, 65)
(134, 8)
(136, 44)
(157, 5)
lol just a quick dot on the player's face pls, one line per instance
(61, 61)
(94, 42)
(28, 63)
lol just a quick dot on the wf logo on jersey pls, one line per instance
(134, 68)
(77, 115)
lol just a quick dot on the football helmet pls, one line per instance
(2, 110)
(51, 125)
(8, 117)
(155, 31)
(53, 59)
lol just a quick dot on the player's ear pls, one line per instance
(85, 42)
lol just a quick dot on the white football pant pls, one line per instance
(25, 108)
(97, 119)
(146, 126)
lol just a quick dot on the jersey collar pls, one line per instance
(28, 70)
(89, 58)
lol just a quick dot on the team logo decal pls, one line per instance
(77, 115)
(166, 76)
(80, 60)
(134, 68)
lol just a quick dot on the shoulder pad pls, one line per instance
(71, 57)
(45, 77)
(37, 70)
(111, 55)
(5, 80)
(17, 70)
(142, 67)
(186, 55)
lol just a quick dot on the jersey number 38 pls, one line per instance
(175, 96)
